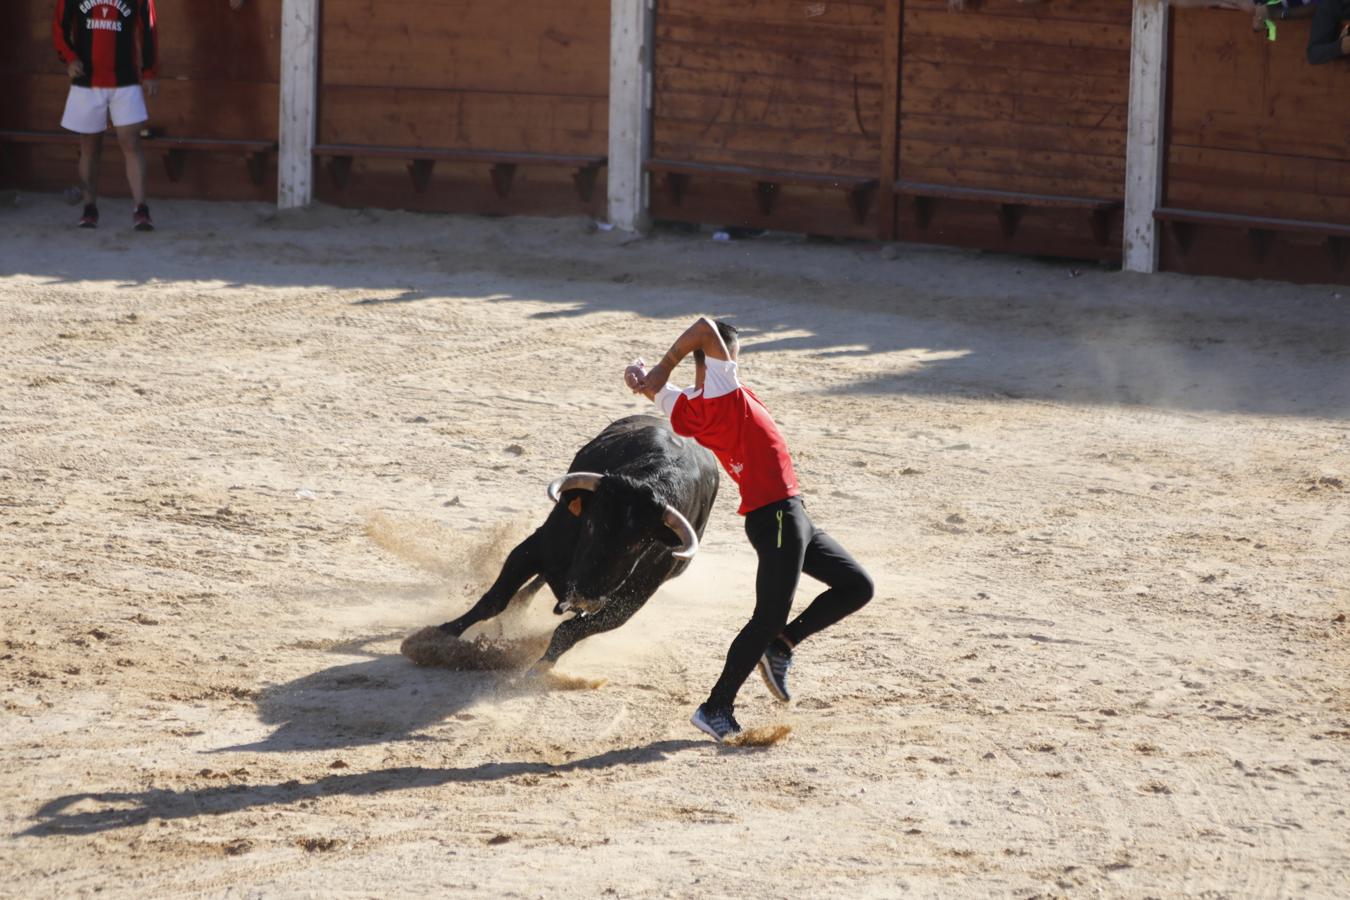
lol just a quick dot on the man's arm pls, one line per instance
(149, 41)
(62, 45)
(702, 335)
(1325, 41)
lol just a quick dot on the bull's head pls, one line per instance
(624, 525)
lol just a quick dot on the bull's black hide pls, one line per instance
(605, 551)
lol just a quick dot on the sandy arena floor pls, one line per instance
(242, 457)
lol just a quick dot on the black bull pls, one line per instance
(611, 539)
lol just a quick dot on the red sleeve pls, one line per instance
(63, 48)
(149, 41)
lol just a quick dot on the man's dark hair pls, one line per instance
(730, 337)
(730, 334)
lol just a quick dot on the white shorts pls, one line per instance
(87, 109)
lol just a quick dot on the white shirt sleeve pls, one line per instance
(665, 399)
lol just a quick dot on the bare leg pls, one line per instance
(91, 155)
(129, 137)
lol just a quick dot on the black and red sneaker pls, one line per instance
(90, 217)
(141, 218)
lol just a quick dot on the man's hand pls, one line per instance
(75, 70)
(634, 375)
(654, 380)
(235, 4)
(151, 86)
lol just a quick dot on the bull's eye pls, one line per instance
(575, 507)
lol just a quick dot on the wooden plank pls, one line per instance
(384, 184)
(1012, 169)
(205, 109)
(422, 118)
(782, 12)
(1284, 105)
(757, 91)
(1058, 10)
(1258, 184)
(1067, 62)
(1039, 32)
(821, 211)
(560, 49)
(1259, 223)
(802, 151)
(1014, 110)
(838, 118)
(211, 41)
(845, 45)
(1018, 135)
(787, 71)
(967, 76)
(985, 195)
(745, 173)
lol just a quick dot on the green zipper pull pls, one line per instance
(780, 529)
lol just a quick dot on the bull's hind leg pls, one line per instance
(522, 564)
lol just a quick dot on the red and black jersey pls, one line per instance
(114, 39)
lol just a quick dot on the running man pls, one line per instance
(724, 416)
(97, 40)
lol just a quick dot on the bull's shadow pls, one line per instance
(377, 700)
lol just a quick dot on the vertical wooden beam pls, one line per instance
(890, 117)
(1145, 142)
(630, 110)
(299, 102)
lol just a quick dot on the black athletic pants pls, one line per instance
(788, 545)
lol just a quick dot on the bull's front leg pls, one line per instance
(611, 616)
(522, 564)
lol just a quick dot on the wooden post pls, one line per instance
(890, 123)
(630, 110)
(1145, 143)
(299, 102)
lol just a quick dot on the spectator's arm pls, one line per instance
(149, 41)
(59, 41)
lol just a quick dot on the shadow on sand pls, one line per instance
(127, 809)
(377, 700)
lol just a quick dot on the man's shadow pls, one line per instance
(71, 814)
(377, 700)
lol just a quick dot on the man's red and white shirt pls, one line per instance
(728, 419)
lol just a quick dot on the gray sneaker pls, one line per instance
(773, 668)
(719, 724)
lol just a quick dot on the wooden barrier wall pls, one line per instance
(530, 76)
(218, 79)
(1015, 98)
(788, 85)
(1002, 96)
(1254, 129)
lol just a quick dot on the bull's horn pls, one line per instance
(688, 537)
(573, 481)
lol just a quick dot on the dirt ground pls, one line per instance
(243, 457)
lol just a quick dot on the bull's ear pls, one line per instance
(575, 506)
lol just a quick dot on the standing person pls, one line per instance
(98, 41)
(724, 416)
